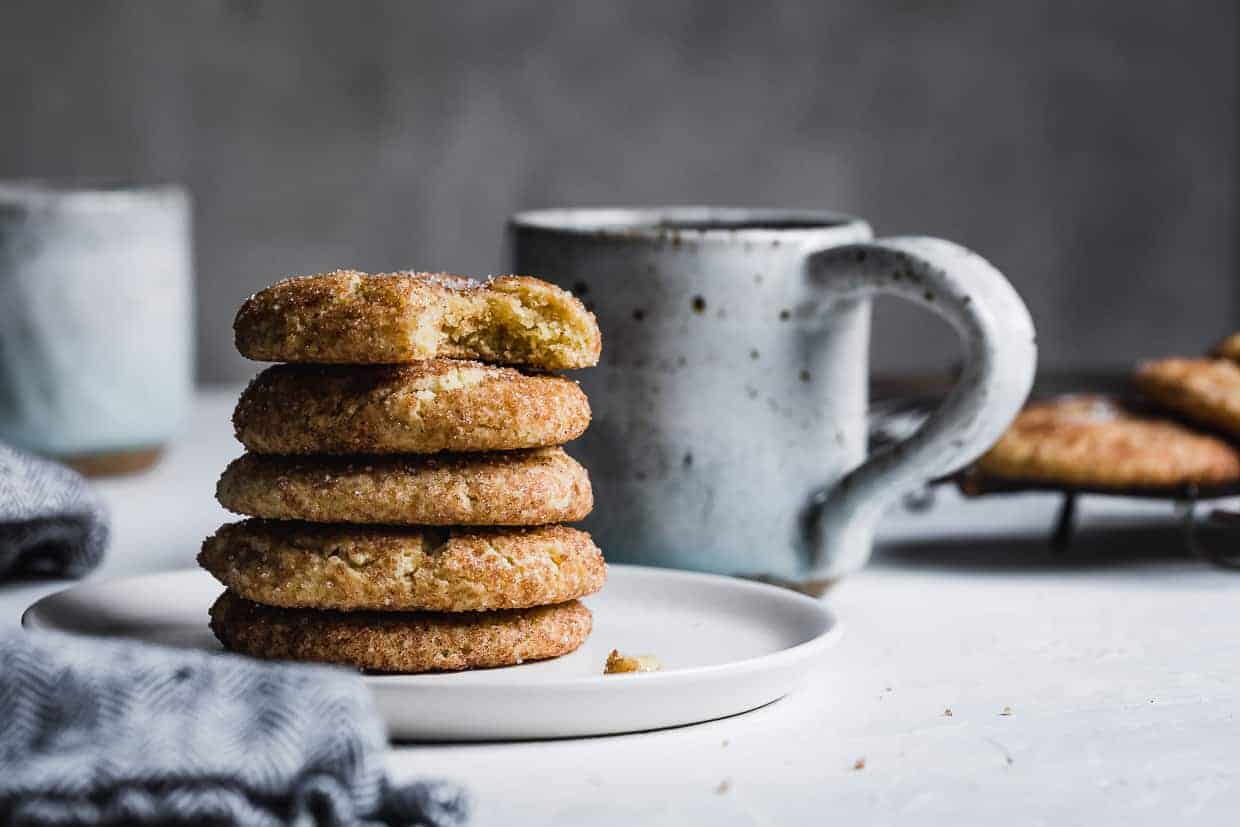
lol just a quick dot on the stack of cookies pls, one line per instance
(404, 482)
(1178, 436)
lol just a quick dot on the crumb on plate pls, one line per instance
(618, 663)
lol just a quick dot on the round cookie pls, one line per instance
(400, 641)
(1229, 348)
(347, 317)
(424, 408)
(1092, 442)
(389, 568)
(535, 487)
(1204, 390)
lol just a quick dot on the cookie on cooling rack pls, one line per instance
(1206, 391)
(1095, 442)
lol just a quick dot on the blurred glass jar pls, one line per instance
(96, 321)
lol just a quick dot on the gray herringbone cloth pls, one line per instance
(96, 732)
(50, 520)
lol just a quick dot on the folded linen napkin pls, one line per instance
(98, 732)
(51, 522)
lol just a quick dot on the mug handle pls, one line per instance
(1000, 358)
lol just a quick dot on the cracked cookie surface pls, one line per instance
(348, 317)
(400, 641)
(1204, 390)
(389, 568)
(515, 488)
(423, 408)
(1093, 441)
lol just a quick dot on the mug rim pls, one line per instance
(687, 222)
(85, 193)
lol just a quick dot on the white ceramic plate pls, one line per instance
(727, 646)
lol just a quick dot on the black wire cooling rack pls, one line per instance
(1210, 534)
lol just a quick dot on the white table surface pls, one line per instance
(1119, 663)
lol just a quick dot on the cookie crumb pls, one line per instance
(947, 713)
(618, 663)
(859, 764)
(724, 786)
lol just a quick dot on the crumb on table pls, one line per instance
(618, 663)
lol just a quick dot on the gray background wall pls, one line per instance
(1088, 149)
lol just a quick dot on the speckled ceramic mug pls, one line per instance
(729, 428)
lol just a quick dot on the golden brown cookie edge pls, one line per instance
(387, 568)
(438, 406)
(1019, 458)
(399, 642)
(539, 486)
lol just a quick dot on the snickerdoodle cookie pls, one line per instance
(534, 487)
(309, 565)
(400, 641)
(1093, 442)
(423, 408)
(1229, 348)
(1204, 390)
(347, 317)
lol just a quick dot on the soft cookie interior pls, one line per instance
(517, 320)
